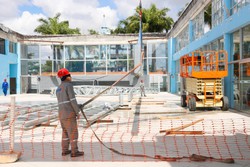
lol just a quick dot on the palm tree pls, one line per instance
(157, 20)
(53, 26)
(153, 20)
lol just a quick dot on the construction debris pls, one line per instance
(148, 103)
(200, 158)
(168, 131)
(104, 121)
(186, 132)
(164, 118)
(46, 125)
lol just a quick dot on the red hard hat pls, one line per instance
(62, 72)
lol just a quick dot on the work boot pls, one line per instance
(77, 154)
(66, 152)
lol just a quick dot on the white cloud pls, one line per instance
(126, 8)
(80, 13)
(25, 24)
(9, 9)
(84, 14)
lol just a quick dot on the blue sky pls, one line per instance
(107, 3)
(31, 8)
(22, 15)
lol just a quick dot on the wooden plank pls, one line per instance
(148, 103)
(124, 108)
(104, 121)
(164, 118)
(181, 127)
(185, 133)
(163, 112)
(46, 124)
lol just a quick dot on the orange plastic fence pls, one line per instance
(206, 64)
(221, 139)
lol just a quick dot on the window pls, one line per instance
(156, 50)
(198, 26)
(217, 12)
(46, 52)
(75, 66)
(246, 42)
(182, 40)
(2, 46)
(237, 4)
(118, 52)
(157, 66)
(30, 52)
(74, 52)
(115, 66)
(29, 67)
(92, 52)
(12, 47)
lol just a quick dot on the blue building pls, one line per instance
(30, 63)
(228, 28)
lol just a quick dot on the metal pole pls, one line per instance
(130, 95)
(121, 98)
(12, 123)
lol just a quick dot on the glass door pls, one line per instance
(236, 86)
(160, 82)
(245, 86)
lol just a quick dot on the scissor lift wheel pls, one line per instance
(192, 104)
(225, 103)
(183, 100)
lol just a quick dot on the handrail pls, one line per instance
(204, 64)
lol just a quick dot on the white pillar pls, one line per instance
(121, 99)
(12, 122)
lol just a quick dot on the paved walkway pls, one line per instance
(136, 131)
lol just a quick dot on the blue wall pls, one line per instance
(229, 25)
(171, 65)
(9, 67)
(224, 30)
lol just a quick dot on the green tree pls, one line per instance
(153, 20)
(54, 26)
(92, 32)
(47, 67)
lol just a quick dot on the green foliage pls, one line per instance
(54, 26)
(153, 20)
(47, 67)
(93, 32)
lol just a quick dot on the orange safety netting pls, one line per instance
(221, 139)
